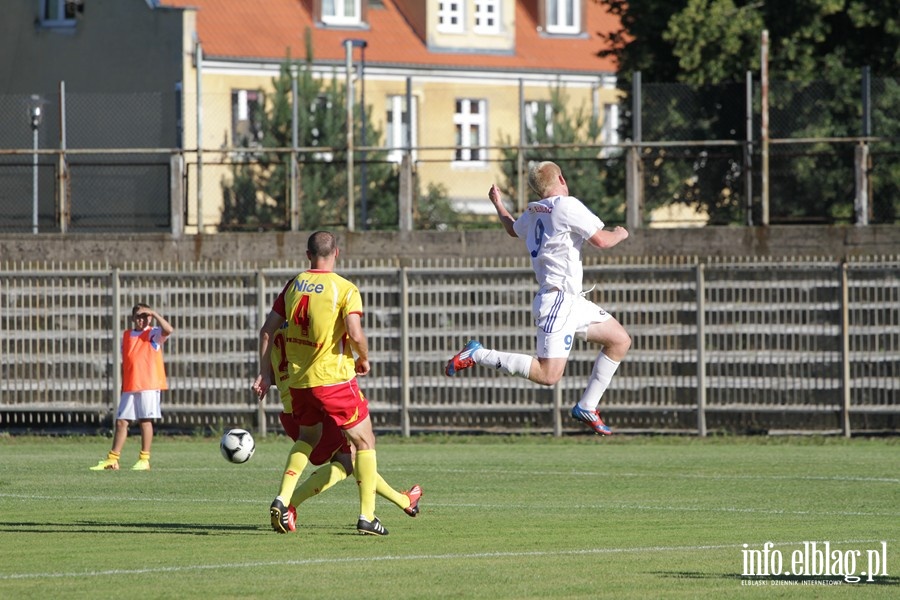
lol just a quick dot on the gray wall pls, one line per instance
(117, 46)
(775, 241)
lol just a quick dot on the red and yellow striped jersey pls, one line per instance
(315, 304)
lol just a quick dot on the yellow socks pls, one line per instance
(296, 462)
(321, 479)
(383, 489)
(367, 476)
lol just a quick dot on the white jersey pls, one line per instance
(554, 229)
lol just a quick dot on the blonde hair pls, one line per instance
(542, 176)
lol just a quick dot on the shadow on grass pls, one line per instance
(695, 575)
(777, 580)
(142, 527)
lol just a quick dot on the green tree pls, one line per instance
(257, 193)
(571, 139)
(817, 51)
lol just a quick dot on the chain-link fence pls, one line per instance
(832, 156)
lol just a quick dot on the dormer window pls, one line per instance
(451, 16)
(564, 16)
(487, 16)
(342, 12)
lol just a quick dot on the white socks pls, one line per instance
(507, 362)
(520, 365)
(604, 369)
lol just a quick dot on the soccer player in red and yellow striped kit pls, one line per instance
(324, 333)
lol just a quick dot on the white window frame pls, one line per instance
(485, 12)
(610, 129)
(322, 102)
(609, 132)
(339, 15)
(53, 13)
(448, 10)
(242, 111)
(394, 135)
(469, 124)
(531, 109)
(560, 13)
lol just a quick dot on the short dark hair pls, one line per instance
(321, 244)
(137, 308)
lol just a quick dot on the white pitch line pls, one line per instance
(668, 476)
(414, 557)
(607, 474)
(482, 506)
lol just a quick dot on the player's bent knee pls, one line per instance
(548, 379)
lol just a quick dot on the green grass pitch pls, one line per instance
(502, 517)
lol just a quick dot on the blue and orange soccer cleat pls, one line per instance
(463, 359)
(592, 419)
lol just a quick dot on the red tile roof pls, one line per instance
(266, 29)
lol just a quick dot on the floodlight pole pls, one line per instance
(348, 50)
(35, 112)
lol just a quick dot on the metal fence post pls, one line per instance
(261, 304)
(176, 193)
(520, 152)
(62, 171)
(295, 136)
(748, 151)
(764, 128)
(634, 197)
(351, 223)
(861, 165)
(845, 348)
(116, 286)
(199, 59)
(404, 351)
(701, 350)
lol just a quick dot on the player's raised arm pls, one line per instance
(506, 219)
(604, 239)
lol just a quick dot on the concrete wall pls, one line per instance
(776, 241)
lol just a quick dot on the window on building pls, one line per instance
(610, 124)
(398, 126)
(451, 16)
(60, 13)
(246, 118)
(341, 12)
(487, 16)
(538, 117)
(610, 131)
(321, 110)
(470, 120)
(563, 16)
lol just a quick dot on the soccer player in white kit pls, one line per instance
(554, 229)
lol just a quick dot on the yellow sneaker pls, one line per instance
(141, 465)
(107, 464)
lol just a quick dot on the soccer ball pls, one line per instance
(237, 445)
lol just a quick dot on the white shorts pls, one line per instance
(559, 318)
(140, 405)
